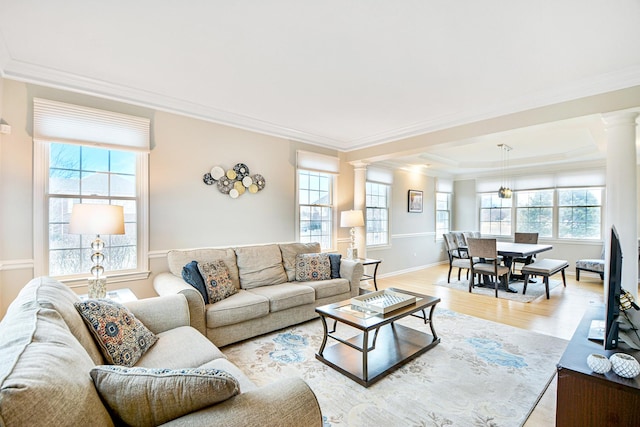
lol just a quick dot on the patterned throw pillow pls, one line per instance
(122, 338)
(312, 267)
(217, 279)
(150, 397)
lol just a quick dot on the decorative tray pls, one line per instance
(383, 301)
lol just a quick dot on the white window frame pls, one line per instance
(554, 219)
(332, 205)
(557, 213)
(387, 208)
(41, 220)
(439, 232)
(480, 216)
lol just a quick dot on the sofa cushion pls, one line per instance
(260, 266)
(328, 288)
(179, 258)
(182, 347)
(191, 275)
(237, 308)
(312, 267)
(286, 295)
(217, 279)
(150, 397)
(44, 370)
(289, 252)
(122, 338)
(334, 259)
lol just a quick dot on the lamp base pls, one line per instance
(352, 253)
(97, 288)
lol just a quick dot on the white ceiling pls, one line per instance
(341, 74)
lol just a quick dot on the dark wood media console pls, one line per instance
(589, 399)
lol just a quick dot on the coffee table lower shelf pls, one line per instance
(395, 345)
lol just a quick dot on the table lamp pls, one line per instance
(97, 219)
(353, 219)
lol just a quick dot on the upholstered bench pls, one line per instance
(545, 268)
(591, 265)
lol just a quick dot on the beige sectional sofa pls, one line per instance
(268, 297)
(47, 354)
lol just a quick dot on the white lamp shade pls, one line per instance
(96, 219)
(352, 218)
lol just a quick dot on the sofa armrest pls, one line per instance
(285, 403)
(352, 270)
(168, 284)
(163, 313)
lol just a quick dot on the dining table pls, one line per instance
(509, 251)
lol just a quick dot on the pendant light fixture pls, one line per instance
(504, 192)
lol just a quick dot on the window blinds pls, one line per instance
(74, 124)
(381, 175)
(317, 162)
(564, 179)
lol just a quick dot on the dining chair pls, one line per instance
(458, 258)
(484, 255)
(530, 238)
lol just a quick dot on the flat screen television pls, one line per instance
(612, 307)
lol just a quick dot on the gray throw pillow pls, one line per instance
(150, 397)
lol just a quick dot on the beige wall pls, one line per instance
(184, 212)
(413, 243)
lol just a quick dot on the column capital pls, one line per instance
(619, 118)
(359, 164)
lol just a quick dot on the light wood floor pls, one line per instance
(558, 316)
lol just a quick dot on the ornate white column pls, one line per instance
(360, 203)
(621, 198)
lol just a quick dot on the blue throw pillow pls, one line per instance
(334, 260)
(192, 276)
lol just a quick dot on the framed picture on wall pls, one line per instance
(415, 201)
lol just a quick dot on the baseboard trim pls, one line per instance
(410, 270)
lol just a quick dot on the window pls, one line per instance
(87, 155)
(443, 214)
(534, 212)
(81, 174)
(377, 219)
(580, 213)
(495, 215)
(315, 203)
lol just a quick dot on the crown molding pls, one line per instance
(31, 73)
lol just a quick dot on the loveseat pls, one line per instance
(48, 357)
(268, 295)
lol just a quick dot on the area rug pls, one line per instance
(481, 374)
(534, 290)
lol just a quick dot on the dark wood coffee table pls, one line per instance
(366, 359)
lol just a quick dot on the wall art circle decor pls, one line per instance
(259, 181)
(241, 171)
(625, 365)
(225, 185)
(239, 187)
(234, 181)
(208, 179)
(217, 172)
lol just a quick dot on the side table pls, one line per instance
(375, 263)
(117, 295)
